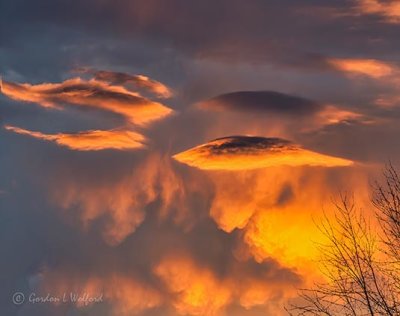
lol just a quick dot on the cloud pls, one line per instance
(373, 68)
(246, 153)
(274, 112)
(139, 81)
(389, 10)
(126, 295)
(262, 102)
(273, 210)
(198, 290)
(121, 204)
(92, 94)
(89, 140)
(175, 282)
(384, 77)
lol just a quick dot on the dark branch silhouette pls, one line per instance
(360, 263)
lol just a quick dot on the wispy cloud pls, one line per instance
(138, 81)
(89, 140)
(366, 67)
(384, 75)
(93, 94)
(389, 10)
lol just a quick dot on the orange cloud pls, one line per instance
(246, 153)
(197, 290)
(367, 67)
(182, 286)
(125, 294)
(139, 81)
(387, 101)
(274, 210)
(390, 10)
(386, 75)
(93, 94)
(333, 115)
(258, 292)
(123, 202)
(89, 140)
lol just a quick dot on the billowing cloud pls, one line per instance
(389, 10)
(198, 290)
(246, 153)
(89, 140)
(274, 210)
(122, 203)
(125, 294)
(92, 94)
(175, 282)
(139, 81)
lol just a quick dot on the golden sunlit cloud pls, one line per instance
(139, 81)
(93, 94)
(271, 234)
(198, 291)
(188, 288)
(126, 295)
(367, 67)
(246, 153)
(274, 210)
(390, 10)
(89, 140)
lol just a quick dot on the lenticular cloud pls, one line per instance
(246, 153)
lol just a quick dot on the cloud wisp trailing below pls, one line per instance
(272, 112)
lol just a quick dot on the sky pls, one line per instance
(172, 157)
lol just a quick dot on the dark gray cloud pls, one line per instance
(263, 102)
